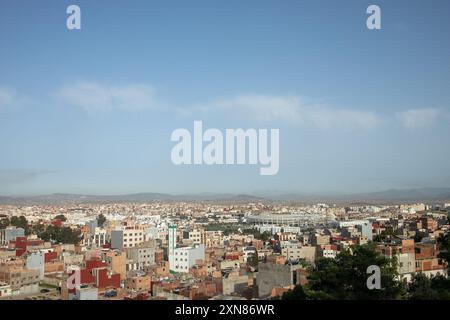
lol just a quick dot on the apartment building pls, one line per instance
(186, 257)
(291, 250)
(126, 237)
(140, 257)
(20, 279)
(10, 234)
(403, 250)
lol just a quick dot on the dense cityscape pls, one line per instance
(210, 250)
(224, 159)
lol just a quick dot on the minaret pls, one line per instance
(172, 245)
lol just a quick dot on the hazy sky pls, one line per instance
(92, 110)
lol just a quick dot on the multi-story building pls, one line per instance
(20, 279)
(10, 234)
(36, 261)
(403, 251)
(271, 275)
(140, 257)
(97, 238)
(117, 262)
(186, 257)
(327, 251)
(194, 236)
(427, 259)
(5, 290)
(127, 237)
(291, 250)
(140, 283)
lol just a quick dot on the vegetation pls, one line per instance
(264, 236)
(444, 246)
(20, 222)
(60, 217)
(101, 219)
(424, 288)
(60, 235)
(345, 278)
(227, 228)
(295, 294)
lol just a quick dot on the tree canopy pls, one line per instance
(60, 235)
(345, 277)
(101, 219)
(61, 217)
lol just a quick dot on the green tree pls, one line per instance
(444, 247)
(20, 222)
(345, 277)
(424, 288)
(101, 219)
(60, 235)
(420, 288)
(60, 217)
(294, 294)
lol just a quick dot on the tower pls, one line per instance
(172, 245)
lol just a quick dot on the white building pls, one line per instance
(184, 258)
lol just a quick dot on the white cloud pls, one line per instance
(8, 97)
(418, 118)
(91, 96)
(296, 110)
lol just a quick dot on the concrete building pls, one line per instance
(127, 237)
(98, 238)
(319, 239)
(36, 261)
(248, 251)
(272, 275)
(363, 226)
(235, 283)
(327, 251)
(140, 257)
(404, 252)
(172, 244)
(5, 290)
(92, 225)
(85, 293)
(291, 250)
(184, 258)
(139, 283)
(10, 234)
(194, 236)
(20, 279)
(117, 262)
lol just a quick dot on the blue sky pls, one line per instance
(92, 110)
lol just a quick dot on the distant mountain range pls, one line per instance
(136, 197)
(387, 196)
